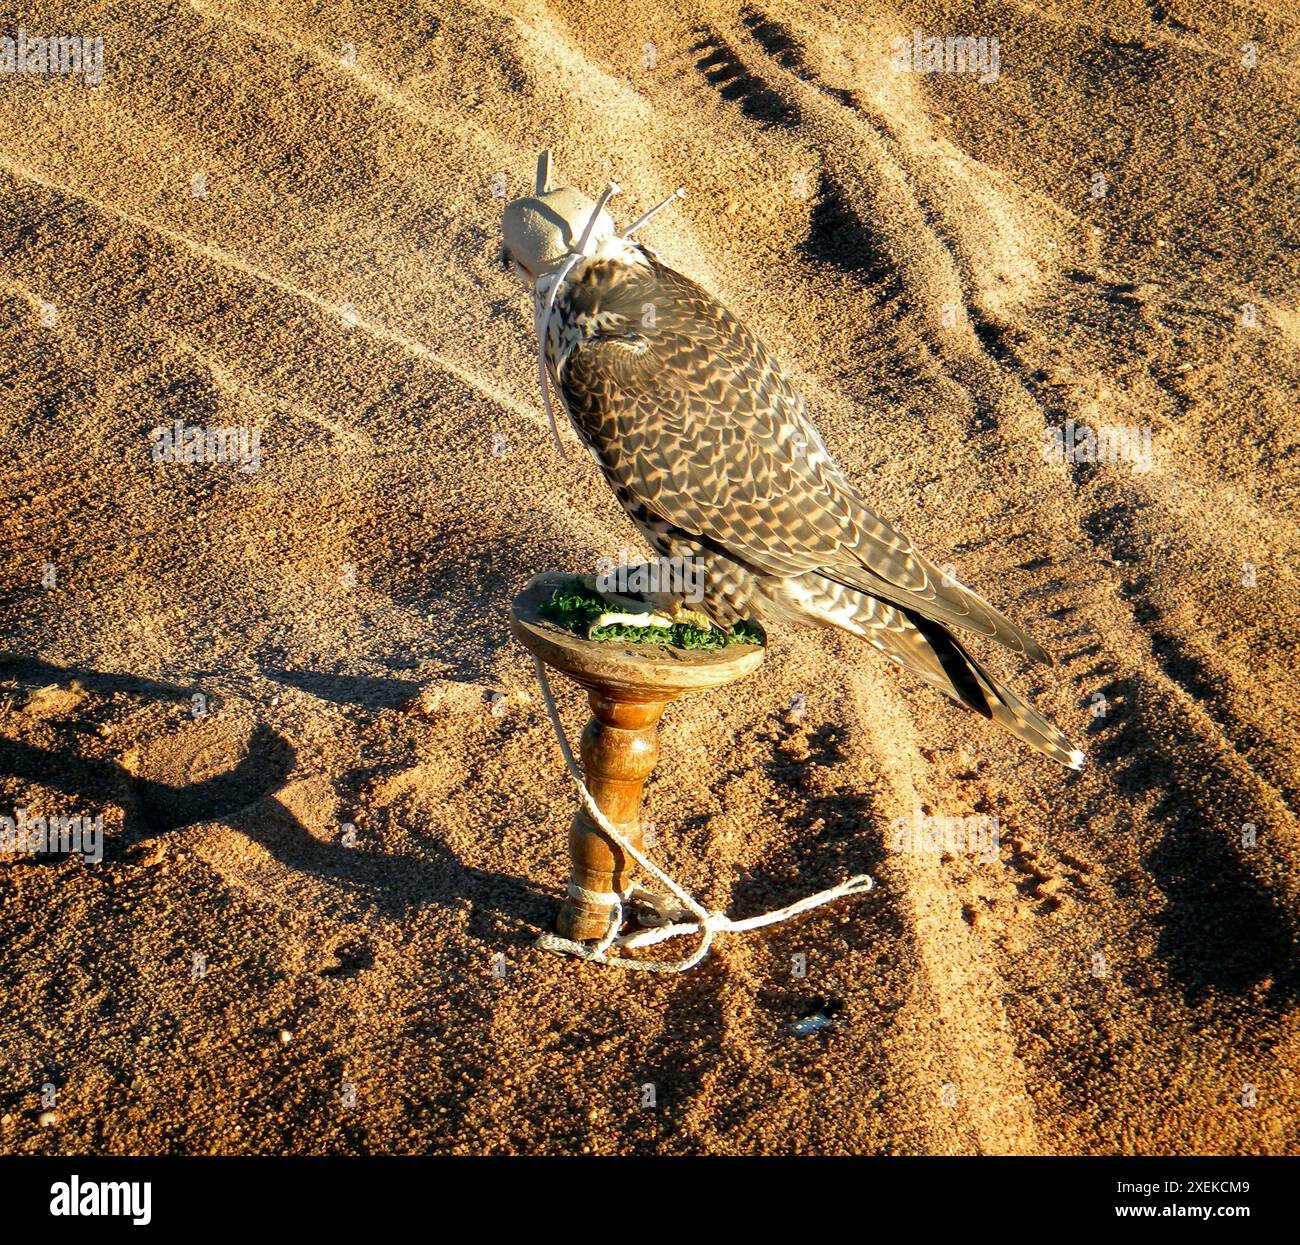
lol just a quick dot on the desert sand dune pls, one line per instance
(285, 217)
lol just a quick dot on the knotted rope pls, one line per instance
(668, 920)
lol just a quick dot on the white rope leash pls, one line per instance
(668, 920)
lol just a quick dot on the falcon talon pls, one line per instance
(709, 449)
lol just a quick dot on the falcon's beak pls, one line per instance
(514, 267)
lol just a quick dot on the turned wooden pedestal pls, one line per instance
(628, 686)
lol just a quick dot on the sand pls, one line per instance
(284, 216)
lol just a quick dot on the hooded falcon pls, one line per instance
(709, 449)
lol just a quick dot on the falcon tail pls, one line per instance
(930, 651)
(962, 678)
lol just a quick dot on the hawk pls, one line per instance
(710, 451)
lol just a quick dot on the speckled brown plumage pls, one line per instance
(706, 445)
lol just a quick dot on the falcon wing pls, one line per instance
(691, 418)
